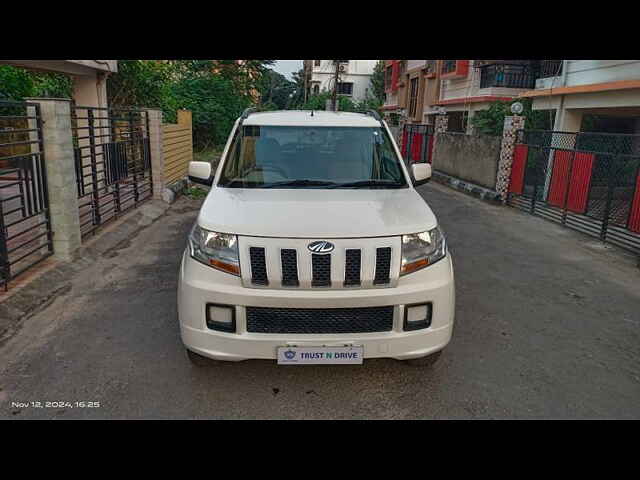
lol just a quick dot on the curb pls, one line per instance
(45, 287)
(469, 188)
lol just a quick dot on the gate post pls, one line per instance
(441, 124)
(155, 150)
(511, 126)
(62, 188)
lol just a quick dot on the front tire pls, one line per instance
(427, 361)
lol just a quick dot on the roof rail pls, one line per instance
(247, 112)
(374, 114)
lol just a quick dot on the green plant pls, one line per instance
(195, 193)
(18, 83)
(491, 120)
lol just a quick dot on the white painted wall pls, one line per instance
(585, 72)
(411, 64)
(359, 73)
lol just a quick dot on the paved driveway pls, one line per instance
(548, 326)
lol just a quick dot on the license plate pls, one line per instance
(320, 355)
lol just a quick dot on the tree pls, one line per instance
(297, 100)
(491, 120)
(377, 82)
(275, 91)
(18, 83)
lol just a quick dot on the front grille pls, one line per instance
(289, 263)
(289, 260)
(352, 267)
(316, 320)
(321, 265)
(383, 265)
(258, 266)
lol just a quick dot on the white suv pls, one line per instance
(313, 246)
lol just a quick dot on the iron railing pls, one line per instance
(587, 181)
(25, 226)
(550, 68)
(417, 143)
(507, 76)
(112, 160)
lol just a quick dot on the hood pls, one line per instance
(315, 213)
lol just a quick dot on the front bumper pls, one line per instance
(199, 284)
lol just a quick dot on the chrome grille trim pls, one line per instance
(288, 258)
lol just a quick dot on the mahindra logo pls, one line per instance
(321, 246)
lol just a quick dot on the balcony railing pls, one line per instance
(550, 68)
(507, 76)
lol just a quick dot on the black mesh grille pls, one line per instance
(321, 270)
(258, 267)
(316, 320)
(352, 268)
(289, 264)
(383, 265)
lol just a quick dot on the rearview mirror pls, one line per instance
(421, 173)
(200, 172)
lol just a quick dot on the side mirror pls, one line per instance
(421, 173)
(200, 172)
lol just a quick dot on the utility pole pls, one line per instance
(335, 86)
(304, 74)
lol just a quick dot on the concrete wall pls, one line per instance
(468, 157)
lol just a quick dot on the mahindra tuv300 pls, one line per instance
(313, 246)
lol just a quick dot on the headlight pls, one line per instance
(218, 250)
(422, 249)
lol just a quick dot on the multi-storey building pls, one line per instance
(595, 95)
(354, 77)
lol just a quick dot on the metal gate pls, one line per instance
(587, 181)
(417, 143)
(113, 165)
(25, 227)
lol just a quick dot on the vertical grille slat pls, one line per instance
(258, 266)
(353, 258)
(289, 262)
(383, 266)
(321, 265)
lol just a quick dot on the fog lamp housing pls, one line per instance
(221, 317)
(417, 316)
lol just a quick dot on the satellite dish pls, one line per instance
(516, 108)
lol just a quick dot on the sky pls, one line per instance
(287, 67)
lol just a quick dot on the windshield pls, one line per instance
(312, 157)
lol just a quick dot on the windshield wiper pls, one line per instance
(369, 183)
(298, 183)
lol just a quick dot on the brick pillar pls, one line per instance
(61, 175)
(157, 155)
(511, 126)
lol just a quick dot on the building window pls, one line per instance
(387, 77)
(316, 89)
(413, 97)
(345, 88)
(448, 66)
(457, 122)
(316, 63)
